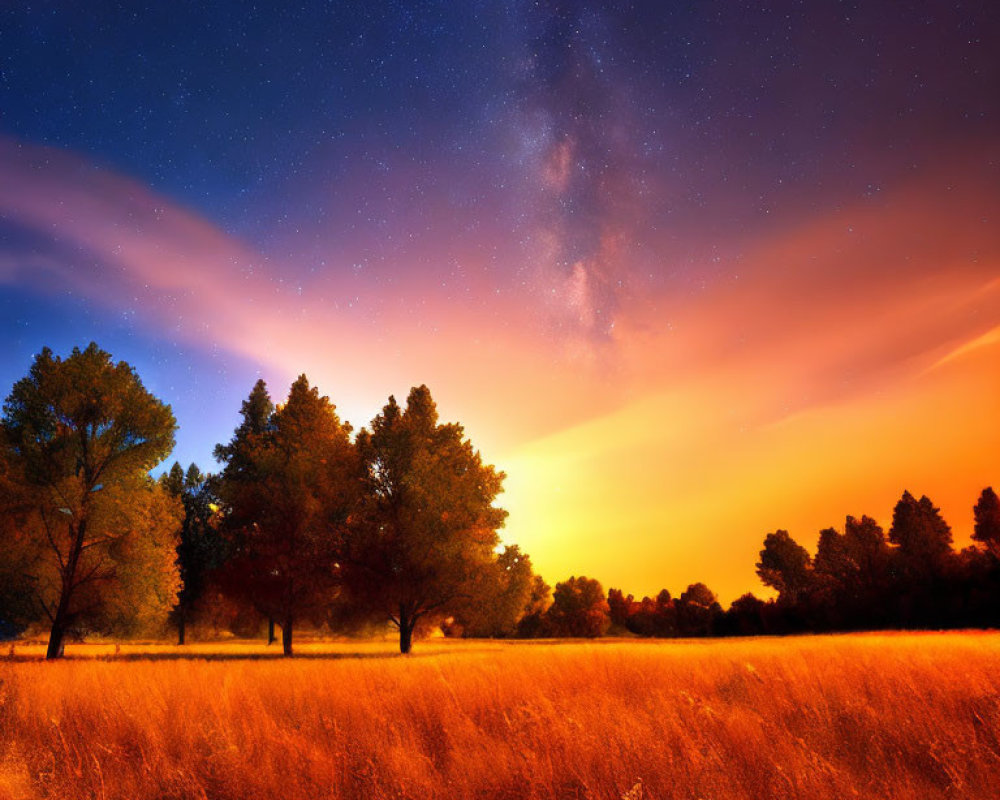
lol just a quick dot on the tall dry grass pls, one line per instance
(903, 716)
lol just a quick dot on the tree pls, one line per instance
(426, 526)
(785, 566)
(866, 546)
(747, 616)
(82, 434)
(987, 521)
(256, 413)
(579, 608)
(619, 607)
(289, 485)
(532, 623)
(201, 549)
(500, 598)
(697, 610)
(922, 536)
(852, 572)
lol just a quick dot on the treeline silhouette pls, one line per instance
(307, 526)
(860, 579)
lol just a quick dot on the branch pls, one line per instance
(94, 576)
(97, 541)
(52, 543)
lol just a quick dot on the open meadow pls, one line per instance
(872, 716)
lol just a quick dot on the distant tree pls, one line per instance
(619, 607)
(501, 597)
(256, 414)
(82, 434)
(921, 535)
(642, 617)
(832, 557)
(987, 521)
(866, 546)
(202, 548)
(665, 622)
(697, 610)
(288, 486)
(922, 564)
(578, 608)
(785, 566)
(532, 623)
(653, 616)
(747, 616)
(852, 574)
(426, 526)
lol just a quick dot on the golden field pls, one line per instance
(871, 716)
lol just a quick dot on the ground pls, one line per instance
(870, 715)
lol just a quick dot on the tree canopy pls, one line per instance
(426, 525)
(289, 485)
(80, 435)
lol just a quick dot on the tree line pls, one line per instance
(309, 525)
(861, 578)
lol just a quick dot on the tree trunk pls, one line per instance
(55, 648)
(406, 625)
(68, 576)
(286, 636)
(270, 630)
(180, 626)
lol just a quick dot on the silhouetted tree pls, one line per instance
(921, 562)
(82, 434)
(202, 549)
(619, 607)
(747, 616)
(785, 566)
(578, 608)
(922, 536)
(852, 574)
(697, 610)
(986, 530)
(289, 485)
(426, 526)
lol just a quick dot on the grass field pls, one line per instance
(872, 716)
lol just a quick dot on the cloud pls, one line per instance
(69, 225)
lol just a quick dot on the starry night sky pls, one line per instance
(688, 271)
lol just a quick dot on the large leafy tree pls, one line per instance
(289, 485)
(426, 526)
(81, 435)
